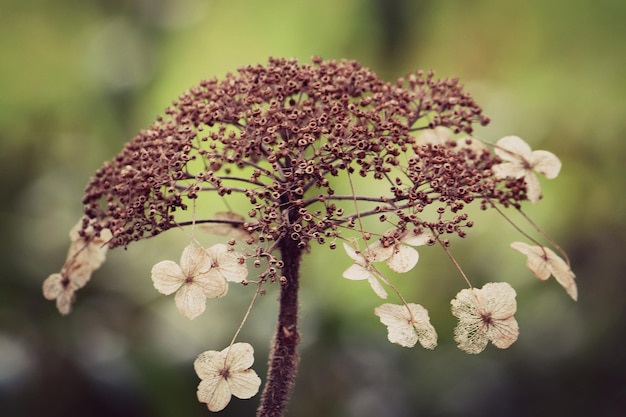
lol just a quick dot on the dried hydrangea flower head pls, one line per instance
(300, 154)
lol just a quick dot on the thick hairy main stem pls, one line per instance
(283, 361)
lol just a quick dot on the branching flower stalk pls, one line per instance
(264, 156)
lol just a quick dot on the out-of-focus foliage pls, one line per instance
(80, 78)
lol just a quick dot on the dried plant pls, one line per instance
(315, 152)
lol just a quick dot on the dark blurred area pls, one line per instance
(79, 78)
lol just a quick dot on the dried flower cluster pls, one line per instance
(287, 129)
(286, 139)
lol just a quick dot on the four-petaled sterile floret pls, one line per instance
(543, 262)
(521, 161)
(226, 373)
(193, 280)
(485, 315)
(407, 324)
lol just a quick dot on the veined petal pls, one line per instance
(470, 339)
(208, 364)
(377, 287)
(406, 324)
(513, 148)
(357, 272)
(504, 334)
(244, 384)
(484, 315)
(239, 356)
(227, 263)
(562, 273)
(213, 285)
(546, 163)
(215, 393)
(194, 261)
(190, 300)
(535, 259)
(167, 277)
(397, 320)
(404, 258)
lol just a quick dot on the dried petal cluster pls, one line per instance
(485, 315)
(543, 262)
(521, 161)
(226, 373)
(202, 273)
(278, 134)
(86, 254)
(407, 324)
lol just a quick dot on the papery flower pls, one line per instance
(399, 256)
(362, 268)
(60, 288)
(227, 264)
(407, 324)
(521, 161)
(484, 315)
(226, 373)
(193, 281)
(85, 255)
(543, 262)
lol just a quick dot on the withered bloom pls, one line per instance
(279, 134)
(288, 138)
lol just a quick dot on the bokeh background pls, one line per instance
(80, 78)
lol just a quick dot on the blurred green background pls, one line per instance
(80, 78)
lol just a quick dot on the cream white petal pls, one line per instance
(357, 272)
(470, 339)
(485, 315)
(509, 170)
(52, 286)
(227, 263)
(504, 334)
(413, 239)
(244, 384)
(533, 187)
(239, 356)
(562, 273)
(499, 299)
(404, 328)
(397, 320)
(377, 287)
(167, 277)
(215, 393)
(190, 300)
(543, 262)
(513, 148)
(208, 364)
(194, 261)
(546, 163)
(404, 258)
(356, 257)
(213, 285)
(535, 259)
